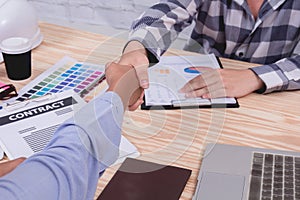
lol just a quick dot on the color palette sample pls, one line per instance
(65, 75)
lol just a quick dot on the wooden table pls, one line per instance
(178, 137)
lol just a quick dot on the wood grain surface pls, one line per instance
(177, 137)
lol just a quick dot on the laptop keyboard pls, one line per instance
(274, 177)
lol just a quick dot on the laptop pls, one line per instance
(238, 173)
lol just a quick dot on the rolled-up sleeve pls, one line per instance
(280, 76)
(160, 25)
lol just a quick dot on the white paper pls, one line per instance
(168, 77)
(1, 153)
(127, 149)
(25, 129)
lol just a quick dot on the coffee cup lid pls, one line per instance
(15, 45)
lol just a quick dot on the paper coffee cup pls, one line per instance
(16, 53)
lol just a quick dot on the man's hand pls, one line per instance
(214, 83)
(135, 55)
(123, 80)
(8, 166)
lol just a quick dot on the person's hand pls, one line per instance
(123, 80)
(214, 83)
(135, 55)
(8, 166)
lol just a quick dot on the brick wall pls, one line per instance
(115, 13)
(110, 15)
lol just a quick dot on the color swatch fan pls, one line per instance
(64, 75)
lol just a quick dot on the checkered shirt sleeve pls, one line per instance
(228, 29)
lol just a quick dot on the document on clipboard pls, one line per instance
(26, 127)
(170, 74)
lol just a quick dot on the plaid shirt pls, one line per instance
(228, 29)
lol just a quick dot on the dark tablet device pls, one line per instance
(141, 180)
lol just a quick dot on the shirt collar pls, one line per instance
(269, 6)
(273, 3)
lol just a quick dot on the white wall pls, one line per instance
(100, 16)
(114, 13)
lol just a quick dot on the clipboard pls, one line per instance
(170, 74)
(185, 104)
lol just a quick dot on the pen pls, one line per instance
(20, 104)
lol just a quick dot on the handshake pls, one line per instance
(211, 83)
(122, 79)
